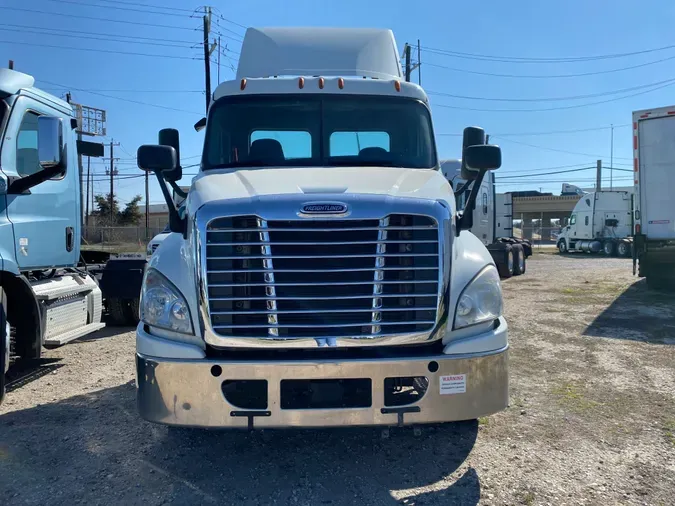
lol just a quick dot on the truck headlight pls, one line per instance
(162, 305)
(481, 300)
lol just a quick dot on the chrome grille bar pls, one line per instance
(270, 291)
(378, 276)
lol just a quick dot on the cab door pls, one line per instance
(45, 218)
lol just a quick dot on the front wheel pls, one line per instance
(562, 246)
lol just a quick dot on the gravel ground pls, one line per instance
(592, 421)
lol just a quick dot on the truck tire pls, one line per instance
(562, 246)
(117, 311)
(609, 248)
(519, 260)
(4, 343)
(131, 310)
(506, 263)
(624, 249)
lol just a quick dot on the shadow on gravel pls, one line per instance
(105, 332)
(23, 372)
(638, 314)
(93, 449)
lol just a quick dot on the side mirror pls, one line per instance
(170, 137)
(485, 157)
(153, 158)
(50, 142)
(472, 136)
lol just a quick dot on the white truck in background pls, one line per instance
(654, 208)
(321, 275)
(600, 222)
(492, 220)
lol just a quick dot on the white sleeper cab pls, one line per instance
(321, 274)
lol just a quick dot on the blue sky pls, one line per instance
(105, 76)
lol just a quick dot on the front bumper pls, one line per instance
(186, 392)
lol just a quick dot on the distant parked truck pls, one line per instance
(492, 220)
(600, 222)
(654, 210)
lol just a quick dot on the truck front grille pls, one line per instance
(322, 278)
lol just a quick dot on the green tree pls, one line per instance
(130, 215)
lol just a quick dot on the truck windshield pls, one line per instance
(312, 131)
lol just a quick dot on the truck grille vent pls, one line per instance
(327, 278)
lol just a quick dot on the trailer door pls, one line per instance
(657, 177)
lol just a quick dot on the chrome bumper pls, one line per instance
(186, 392)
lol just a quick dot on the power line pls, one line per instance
(552, 132)
(187, 45)
(558, 150)
(124, 99)
(134, 91)
(554, 99)
(576, 106)
(117, 7)
(147, 5)
(93, 18)
(521, 59)
(176, 57)
(60, 30)
(550, 76)
(537, 174)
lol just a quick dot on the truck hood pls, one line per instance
(250, 183)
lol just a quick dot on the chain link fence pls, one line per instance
(119, 239)
(541, 236)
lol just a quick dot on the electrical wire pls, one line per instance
(118, 7)
(552, 132)
(137, 4)
(175, 57)
(576, 106)
(123, 99)
(537, 174)
(554, 99)
(93, 18)
(551, 76)
(190, 45)
(522, 59)
(559, 150)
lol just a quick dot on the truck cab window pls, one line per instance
(294, 144)
(27, 160)
(353, 143)
(573, 219)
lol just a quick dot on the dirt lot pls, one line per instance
(592, 421)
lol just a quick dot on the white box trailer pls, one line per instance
(654, 208)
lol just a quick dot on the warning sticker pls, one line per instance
(455, 384)
(659, 222)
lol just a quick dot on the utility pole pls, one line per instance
(419, 63)
(112, 173)
(208, 51)
(86, 212)
(220, 50)
(407, 62)
(147, 205)
(598, 182)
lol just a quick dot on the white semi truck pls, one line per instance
(654, 209)
(492, 219)
(600, 222)
(321, 275)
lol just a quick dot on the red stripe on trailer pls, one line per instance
(635, 142)
(671, 113)
(635, 125)
(635, 164)
(646, 115)
(636, 181)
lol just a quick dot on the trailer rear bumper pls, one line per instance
(318, 393)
